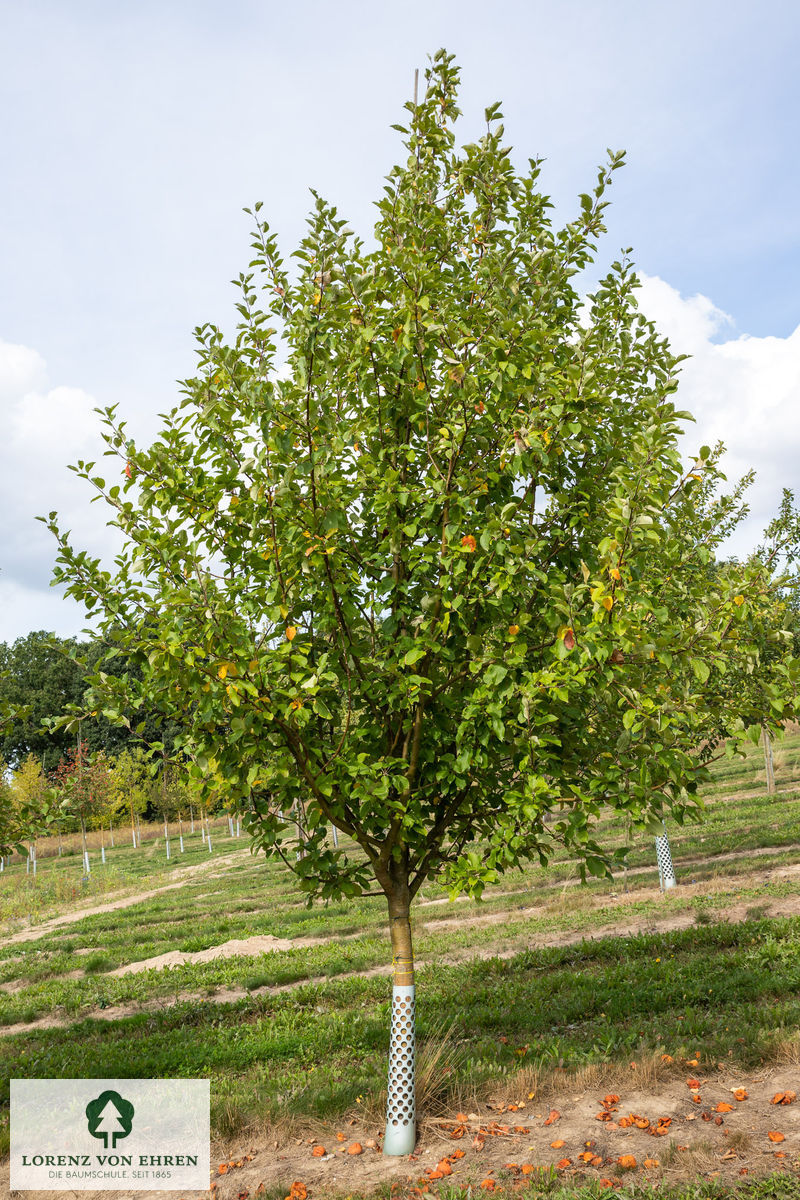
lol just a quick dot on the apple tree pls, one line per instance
(414, 558)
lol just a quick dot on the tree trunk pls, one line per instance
(111, 831)
(300, 853)
(401, 1127)
(769, 766)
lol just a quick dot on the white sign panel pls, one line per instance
(109, 1134)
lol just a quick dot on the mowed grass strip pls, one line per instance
(42, 984)
(728, 992)
(730, 823)
(247, 897)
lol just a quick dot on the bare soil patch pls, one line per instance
(260, 944)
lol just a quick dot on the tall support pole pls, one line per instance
(769, 765)
(666, 871)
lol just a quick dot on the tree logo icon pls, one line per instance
(110, 1116)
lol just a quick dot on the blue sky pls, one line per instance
(134, 134)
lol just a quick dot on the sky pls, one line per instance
(133, 135)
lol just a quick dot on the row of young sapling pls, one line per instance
(202, 822)
(91, 792)
(667, 879)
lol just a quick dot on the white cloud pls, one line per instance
(42, 429)
(25, 609)
(744, 391)
(21, 370)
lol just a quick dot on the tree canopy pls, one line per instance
(416, 555)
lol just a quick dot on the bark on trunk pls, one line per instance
(768, 764)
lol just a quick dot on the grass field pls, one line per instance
(544, 985)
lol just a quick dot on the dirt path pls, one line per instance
(629, 925)
(655, 1127)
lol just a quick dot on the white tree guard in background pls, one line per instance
(666, 871)
(401, 1116)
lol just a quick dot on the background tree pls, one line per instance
(101, 796)
(83, 782)
(169, 795)
(129, 786)
(31, 791)
(40, 675)
(433, 581)
(749, 685)
(43, 676)
(12, 832)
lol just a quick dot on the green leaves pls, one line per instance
(700, 669)
(414, 655)
(416, 556)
